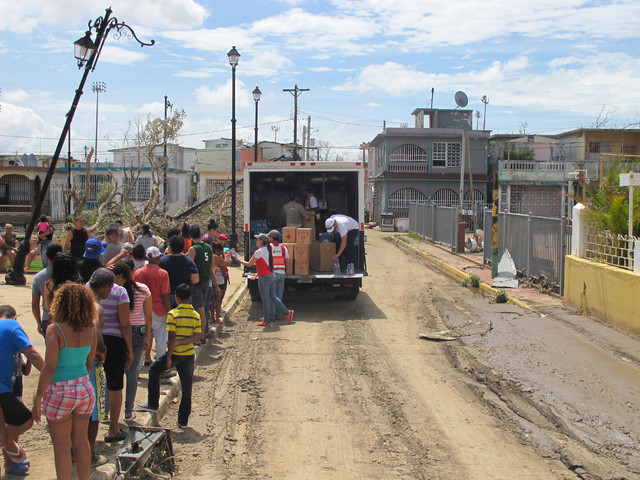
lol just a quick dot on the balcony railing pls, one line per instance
(408, 167)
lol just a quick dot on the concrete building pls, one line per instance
(424, 163)
(543, 175)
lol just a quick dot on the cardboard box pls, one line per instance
(303, 236)
(302, 267)
(289, 234)
(311, 223)
(289, 270)
(301, 252)
(321, 258)
(291, 247)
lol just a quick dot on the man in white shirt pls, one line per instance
(344, 230)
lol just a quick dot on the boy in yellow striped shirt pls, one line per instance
(183, 327)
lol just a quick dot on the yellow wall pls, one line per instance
(610, 293)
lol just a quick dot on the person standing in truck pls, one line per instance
(343, 230)
(294, 213)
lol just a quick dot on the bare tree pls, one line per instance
(325, 151)
(605, 117)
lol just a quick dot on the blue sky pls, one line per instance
(545, 66)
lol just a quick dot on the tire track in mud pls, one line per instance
(365, 373)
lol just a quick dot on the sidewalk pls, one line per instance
(461, 266)
(20, 298)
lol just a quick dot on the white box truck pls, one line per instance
(339, 187)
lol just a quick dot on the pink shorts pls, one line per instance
(69, 396)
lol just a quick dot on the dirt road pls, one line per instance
(348, 390)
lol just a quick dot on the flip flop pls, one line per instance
(18, 469)
(117, 438)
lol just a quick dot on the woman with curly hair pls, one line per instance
(140, 308)
(64, 269)
(64, 388)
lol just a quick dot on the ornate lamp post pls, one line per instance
(256, 96)
(234, 56)
(87, 53)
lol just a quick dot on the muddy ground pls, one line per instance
(349, 390)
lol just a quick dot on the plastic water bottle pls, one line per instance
(336, 267)
(350, 269)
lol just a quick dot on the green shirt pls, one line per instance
(185, 321)
(203, 260)
(10, 240)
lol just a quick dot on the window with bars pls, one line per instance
(408, 153)
(446, 154)
(599, 147)
(95, 181)
(141, 190)
(215, 186)
(401, 199)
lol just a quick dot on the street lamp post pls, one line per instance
(87, 53)
(98, 88)
(234, 56)
(256, 96)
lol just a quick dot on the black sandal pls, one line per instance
(118, 438)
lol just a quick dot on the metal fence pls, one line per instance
(537, 245)
(609, 248)
(438, 224)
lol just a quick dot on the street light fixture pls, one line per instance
(87, 53)
(98, 88)
(234, 56)
(256, 96)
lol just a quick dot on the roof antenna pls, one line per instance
(431, 97)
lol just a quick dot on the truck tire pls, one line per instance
(254, 293)
(355, 289)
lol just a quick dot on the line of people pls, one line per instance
(99, 317)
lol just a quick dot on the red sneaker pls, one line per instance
(290, 316)
(264, 324)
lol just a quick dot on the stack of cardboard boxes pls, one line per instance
(305, 252)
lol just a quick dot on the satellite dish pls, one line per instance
(461, 99)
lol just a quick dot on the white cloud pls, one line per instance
(561, 85)
(121, 56)
(220, 96)
(373, 104)
(18, 122)
(16, 96)
(303, 30)
(25, 17)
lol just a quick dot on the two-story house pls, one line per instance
(544, 175)
(424, 164)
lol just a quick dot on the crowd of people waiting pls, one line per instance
(100, 305)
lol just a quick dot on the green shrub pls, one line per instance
(502, 297)
(475, 281)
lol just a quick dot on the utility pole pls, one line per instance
(165, 160)
(296, 93)
(306, 152)
(275, 129)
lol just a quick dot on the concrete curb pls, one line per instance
(453, 272)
